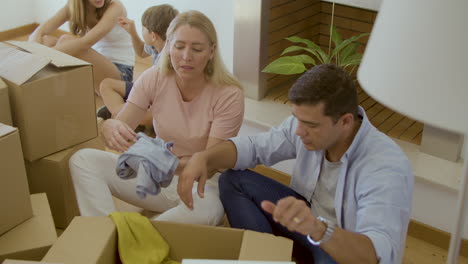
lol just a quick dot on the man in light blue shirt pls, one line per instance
(350, 195)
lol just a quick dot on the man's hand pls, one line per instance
(296, 216)
(196, 169)
(118, 135)
(127, 24)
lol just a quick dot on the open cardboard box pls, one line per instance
(51, 96)
(89, 240)
(210, 261)
(12, 261)
(31, 239)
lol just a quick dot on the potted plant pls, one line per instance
(343, 54)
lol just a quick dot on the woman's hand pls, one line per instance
(35, 37)
(118, 135)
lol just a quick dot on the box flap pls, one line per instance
(198, 241)
(40, 204)
(86, 240)
(12, 261)
(263, 246)
(57, 58)
(5, 129)
(18, 66)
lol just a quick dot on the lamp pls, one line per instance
(416, 62)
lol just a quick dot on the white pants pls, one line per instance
(95, 181)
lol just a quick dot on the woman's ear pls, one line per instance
(213, 48)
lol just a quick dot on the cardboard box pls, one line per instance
(210, 261)
(31, 239)
(52, 176)
(15, 205)
(51, 97)
(5, 112)
(89, 240)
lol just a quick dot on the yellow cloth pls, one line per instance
(138, 241)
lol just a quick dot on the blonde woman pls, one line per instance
(96, 37)
(195, 102)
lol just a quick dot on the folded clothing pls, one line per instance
(151, 162)
(138, 241)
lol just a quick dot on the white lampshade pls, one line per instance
(416, 61)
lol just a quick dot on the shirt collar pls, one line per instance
(365, 126)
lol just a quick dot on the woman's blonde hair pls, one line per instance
(78, 15)
(215, 70)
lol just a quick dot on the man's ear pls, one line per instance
(347, 120)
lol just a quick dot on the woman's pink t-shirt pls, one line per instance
(216, 112)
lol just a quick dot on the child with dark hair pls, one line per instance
(155, 21)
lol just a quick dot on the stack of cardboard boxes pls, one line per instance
(48, 97)
(26, 226)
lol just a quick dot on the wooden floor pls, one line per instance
(389, 122)
(417, 251)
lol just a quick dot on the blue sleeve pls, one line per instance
(384, 204)
(266, 148)
(148, 49)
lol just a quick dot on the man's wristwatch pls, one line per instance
(328, 233)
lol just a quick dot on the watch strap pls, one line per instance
(328, 232)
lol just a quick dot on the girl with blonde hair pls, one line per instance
(95, 37)
(195, 103)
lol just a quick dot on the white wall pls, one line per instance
(221, 14)
(16, 13)
(43, 9)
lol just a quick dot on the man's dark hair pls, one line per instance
(329, 84)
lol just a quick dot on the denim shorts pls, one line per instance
(126, 73)
(128, 88)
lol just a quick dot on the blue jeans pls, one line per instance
(241, 193)
(126, 74)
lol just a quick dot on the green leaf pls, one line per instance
(347, 51)
(309, 43)
(354, 59)
(286, 65)
(306, 59)
(292, 49)
(346, 43)
(336, 36)
(314, 52)
(322, 56)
